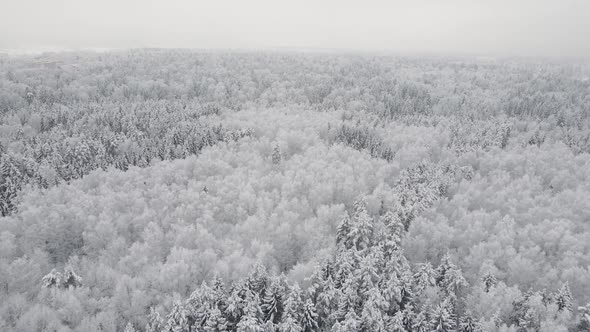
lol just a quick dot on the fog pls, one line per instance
(486, 27)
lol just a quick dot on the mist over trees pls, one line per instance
(169, 190)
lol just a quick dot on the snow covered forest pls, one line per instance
(176, 191)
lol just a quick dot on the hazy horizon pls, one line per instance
(524, 28)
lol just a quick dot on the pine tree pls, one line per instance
(216, 322)
(291, 315)
(343, 233)
(348, 299)
(258, 279)
(467, 324)
(71, 279)
(421, 323)
(251, 320)
(52, 279)
(373, 313)
(361, 228)
(564, 298)
(396, 323)
(155, 322)
(177, 319)
(272, 306)
(395, 232)
(584, 312)
(442, 318)
(351, 323)
(425, 277)
(327, 302)
(489, 281)
(276, 155)
(449, 277)
(129, 328)
(309, 317)
(235, 305)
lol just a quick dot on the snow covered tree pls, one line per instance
(442, 318)
(70, 278)
(272, 304)
(177, 319)
(361, 227)
(155, 322)
(258, 280)
(425, 276)
(235, 305)
(215, 321)
(351, 323)
(420, 323)
(291, 315)
(373, 315)
(343, 233)
(394, 229)
(309, 317)
(489, 281)
(129, 328)
(584, 313)
(276, 155)
(564, 298)
(52, 279)
(449, 277)
(251, 320)
(468, 324)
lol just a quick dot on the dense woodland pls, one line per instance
(169, 190)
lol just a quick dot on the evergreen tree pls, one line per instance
(234, 308)
(129, 328)
(251, 320)
(276, 155)
(343, 233)
(258, 280)
(420, 323)
(52, 279)
(71, 279)
(351, 323)
(155, 322)
(489, 281)
(564, 298)
(425, 276)
(272, 304)
(373, 315)
(442, 318)
(327, 302)
(309, 317)
(584, 312)
(361, 227)
(449, 277)
(216, 322)
(396, 323)
(467, 324)
(293, 311)
(177, 319)
(394, 232)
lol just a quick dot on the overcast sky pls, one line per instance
(486, 27)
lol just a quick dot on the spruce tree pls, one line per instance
(276, 155)
(564, 298)
(251, 320)
(309, 317)
(489, 281)
(155, 322)
(442, 318)
(52, 279)
(215, 322)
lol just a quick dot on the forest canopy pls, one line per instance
(169, 190)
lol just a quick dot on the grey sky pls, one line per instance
(494, 27)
